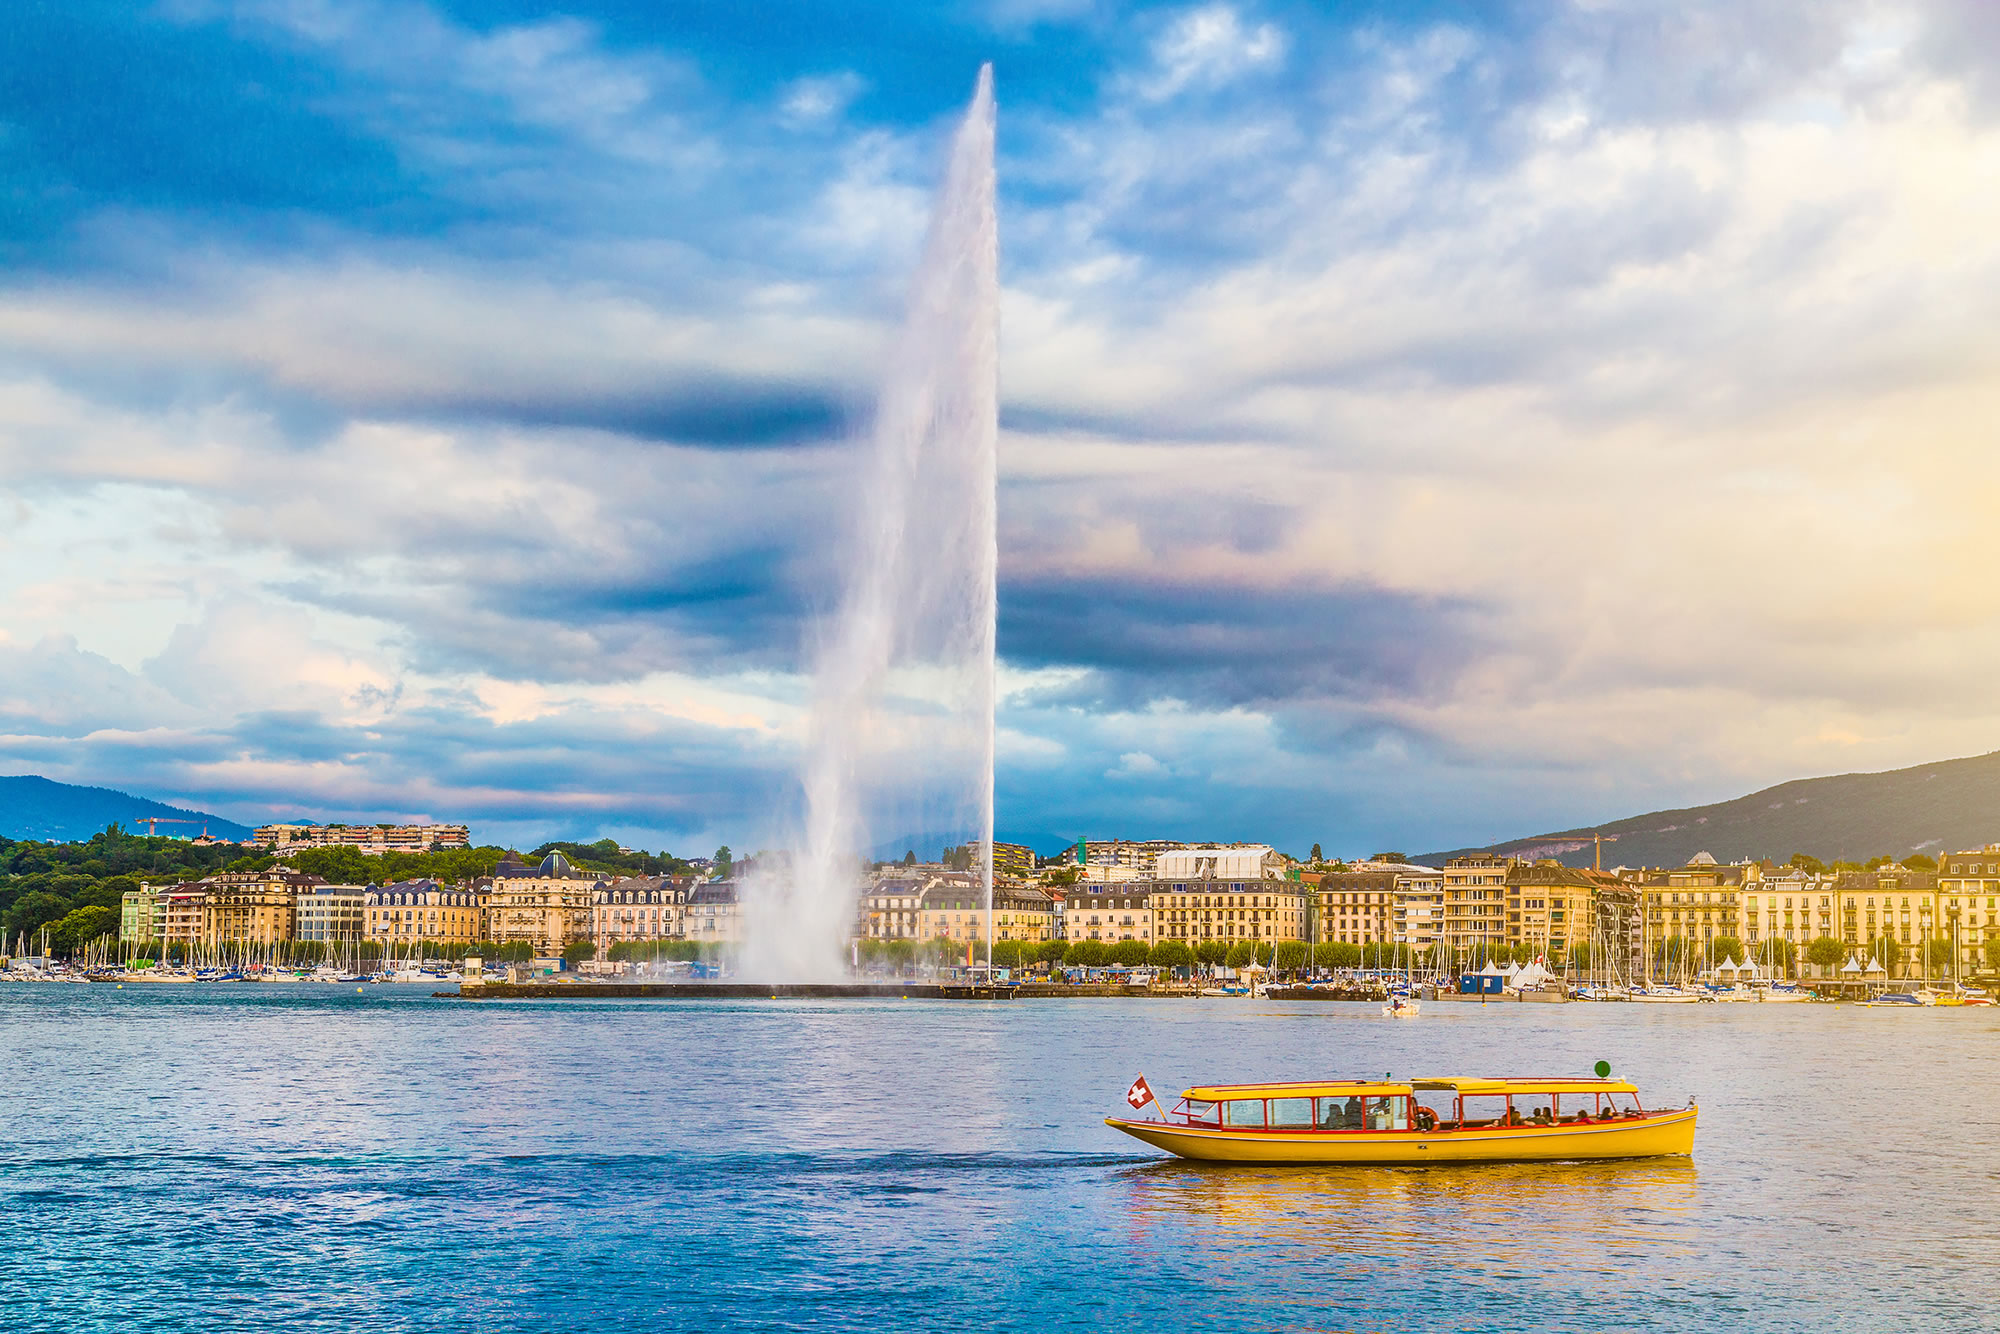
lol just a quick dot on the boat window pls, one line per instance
(1485, 1110)
(1340, 1113)
(1536, 1108)
(1202, 1112)
(1243, 1112)
(1442, 1105)
(1292, 1113)
(1621, 1103)
(1391, 1113)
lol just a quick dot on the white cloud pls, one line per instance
(1209, 47)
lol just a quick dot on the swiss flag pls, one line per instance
(1139, 1095)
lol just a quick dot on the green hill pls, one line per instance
(39, 808)
(1947, 806)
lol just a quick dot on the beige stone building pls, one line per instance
(1700, 903)
(1108, 910)
(1968, 902)
(889, 908)
(714, 913)
(544, 907)
(1265, 911)
(416, 912)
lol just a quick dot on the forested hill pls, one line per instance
(1943, 807)
(39, 808)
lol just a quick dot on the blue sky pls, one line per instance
(1422, 424)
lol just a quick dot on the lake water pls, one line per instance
(305, 1158)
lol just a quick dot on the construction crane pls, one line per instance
(1597, 849)
(153, 823)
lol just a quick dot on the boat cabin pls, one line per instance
(1424, 1105)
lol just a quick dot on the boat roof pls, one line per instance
(1321, 1088)
(1460, 1084)
(1559, 1084)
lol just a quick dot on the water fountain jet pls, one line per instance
(904, 691)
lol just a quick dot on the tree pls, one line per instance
(1524, 952)
(910, 857)
(1130, 953)
(1051, 951)
(1290, 956)
(1826, 954)
(1388, 857)
(1726, 949)
(900, 954)
(1920, 861)
(1006, 954)
(1936, 956)
(724, 864)
(1172, 954)
(1317, 858)
(1993, 953)
(1085, 954)
(1885, 951)
(29, 914)
(1212, 952)
(79, 927)
(1064, 875)
(581, 950)
(1579, 957)
(1805, 861)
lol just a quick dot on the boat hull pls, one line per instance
(1665, 1134)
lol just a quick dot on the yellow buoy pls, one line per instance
(357, 991)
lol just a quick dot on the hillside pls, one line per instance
(1949, 806)
(38, 808)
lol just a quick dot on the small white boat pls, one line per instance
(1402, 1007)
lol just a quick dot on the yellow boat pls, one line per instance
(1417, 1121)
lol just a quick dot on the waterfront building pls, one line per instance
(1416, 908)
(253, 907)
(1191, 911)
(713, 913)
(638, 907)
(1618, 928)
(954, 908)
(1109, 910)
(1789, 905)
(1357, 907)
(1890, 902)
(1021, 912)
(1699, 903)
(1475, 897)
(889, 907)
(414, 912)
(135, 916)
(1549, 909)
(1968, 903)
(178, 915)
(544, 906)
(330, 914)
(371, 839)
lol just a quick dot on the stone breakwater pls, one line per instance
(725, 991)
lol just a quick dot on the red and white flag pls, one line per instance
(1139, 1095)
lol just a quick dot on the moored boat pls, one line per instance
(1443, 1120)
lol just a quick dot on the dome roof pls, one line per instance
(555, 864)
(1701, 859)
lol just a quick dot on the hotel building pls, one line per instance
(1968, 901)
(1475, 903)
(544, 907)
(1109, 910)
(411, 912)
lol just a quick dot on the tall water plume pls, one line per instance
(902, 724)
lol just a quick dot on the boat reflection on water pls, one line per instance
(1545, 1217)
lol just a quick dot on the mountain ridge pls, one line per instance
(33, 807)
(1946, 805)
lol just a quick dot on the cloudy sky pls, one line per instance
(1422, 423)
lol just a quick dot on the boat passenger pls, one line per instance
(1351, 1113)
